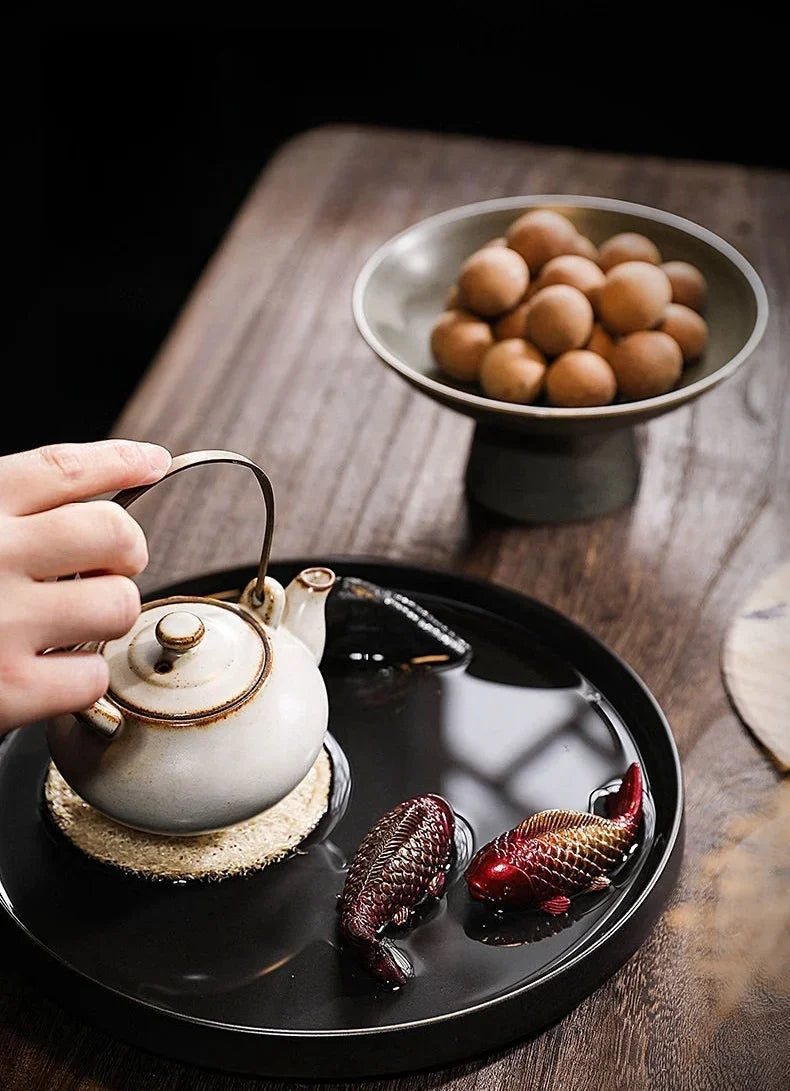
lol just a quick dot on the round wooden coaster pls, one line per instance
(756, 663)
(236, 850)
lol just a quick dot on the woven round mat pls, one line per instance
(236, 850)
(756, 663)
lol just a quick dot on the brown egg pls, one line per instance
(500, 240)
(513, 371)
(646, 363)
(580, 378)
(540, 235)
(452, 300)
(689, 286)
(493, 280)
(571, 269)
(628, 246)
(458, 342)
(512, 324)
(600, 341)
(633, 297)
(585, 248)
(455, 314)
(559, 318)
(688, 328)
(594, 296)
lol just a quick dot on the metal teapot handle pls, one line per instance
(201, 458)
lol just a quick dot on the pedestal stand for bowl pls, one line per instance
(552, 478)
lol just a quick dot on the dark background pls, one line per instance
(132, 146)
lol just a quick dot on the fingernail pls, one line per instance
(159, 458)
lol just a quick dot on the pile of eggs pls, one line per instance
(542, 313)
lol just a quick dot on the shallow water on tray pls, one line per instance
(512, 731)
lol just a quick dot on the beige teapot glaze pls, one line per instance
(215, 711)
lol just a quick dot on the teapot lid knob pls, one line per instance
(179, 631)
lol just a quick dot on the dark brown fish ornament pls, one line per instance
(402, 862)
(553, 855)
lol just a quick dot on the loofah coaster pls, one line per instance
(236, 850)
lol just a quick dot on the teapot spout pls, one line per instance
(305, 602)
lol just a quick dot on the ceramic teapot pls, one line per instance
(215, 711)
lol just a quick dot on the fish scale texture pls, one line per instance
(567, 860)
(555, 854)
(396, 864)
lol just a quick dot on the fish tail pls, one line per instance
(389, 963)
(382, 958)
(625, 806)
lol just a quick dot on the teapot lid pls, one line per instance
(186, 658)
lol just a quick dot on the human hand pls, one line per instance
(45, 533)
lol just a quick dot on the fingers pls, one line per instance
(75, 611)
(92, 537)
(36, 616)
(48, 685)
(34, 481)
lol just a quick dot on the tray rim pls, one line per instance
(514, 995)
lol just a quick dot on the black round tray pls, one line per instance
(248, 975)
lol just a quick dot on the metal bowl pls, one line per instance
(400, 291)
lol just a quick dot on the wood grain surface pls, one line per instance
(265, 359)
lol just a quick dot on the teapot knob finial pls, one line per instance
(179, 631)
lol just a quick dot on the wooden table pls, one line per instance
(266, 360)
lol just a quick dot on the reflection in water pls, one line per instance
(464, 848)
(271, 923)
(487, 730)
(498, 929)
(381, 639)
(339, 795)
(371, 626)
(528, 752)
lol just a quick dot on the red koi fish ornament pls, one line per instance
(402, 862)
(554, 855)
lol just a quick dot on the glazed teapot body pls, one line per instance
(215, 711)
